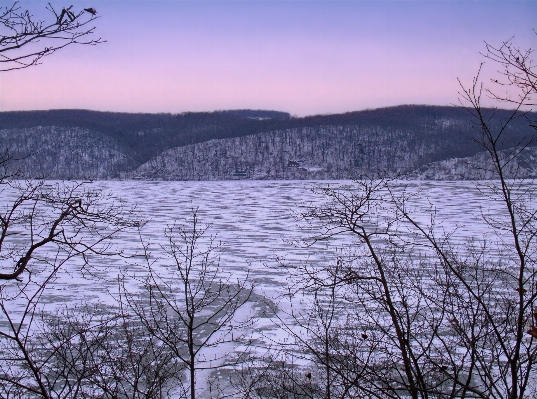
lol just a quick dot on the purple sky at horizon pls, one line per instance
(300, 56)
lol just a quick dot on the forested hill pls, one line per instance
(76, 144)
(142, 136)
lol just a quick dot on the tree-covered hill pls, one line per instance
(88, 144)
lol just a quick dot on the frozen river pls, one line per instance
(259, 234)
(256, 225)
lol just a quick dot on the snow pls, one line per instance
(256, 226)
(259, 233)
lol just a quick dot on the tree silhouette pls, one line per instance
(25, 39)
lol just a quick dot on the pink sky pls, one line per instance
(302, 57)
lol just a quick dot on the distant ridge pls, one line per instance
(230, 144)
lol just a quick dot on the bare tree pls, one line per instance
(98, 351)
(25, 39)
(514, 355)
(309, 363)
(192, 306)
(275, 375)
(517, 74)
(423, 314)
(374, 345)
(43, 227)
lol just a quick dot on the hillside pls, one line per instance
(255, 144)
(480, 167)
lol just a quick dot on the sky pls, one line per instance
(304, 57)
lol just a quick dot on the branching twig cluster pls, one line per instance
(25, 39)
